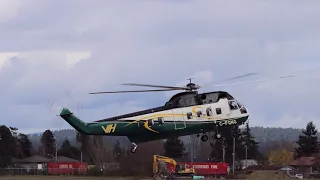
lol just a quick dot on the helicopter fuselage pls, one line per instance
(184, 114)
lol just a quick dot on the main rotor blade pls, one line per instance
(242, 82)
(151, 90)
(241, 76)
(158, 86)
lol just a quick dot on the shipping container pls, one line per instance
(208, 168)
(67, 168)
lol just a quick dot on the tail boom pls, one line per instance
(74, 121)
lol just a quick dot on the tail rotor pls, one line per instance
(55, 105)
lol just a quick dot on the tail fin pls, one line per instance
(74, 121)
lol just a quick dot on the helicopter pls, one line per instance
(185, 113)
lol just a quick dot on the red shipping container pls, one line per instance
(208, 168)
(66, 167)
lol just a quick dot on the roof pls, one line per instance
(63, 159)
(305, 161)
(32, 159)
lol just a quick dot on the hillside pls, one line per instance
(262, 135)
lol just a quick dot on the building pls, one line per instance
(31, 165)
(307, 166)
(33, 162)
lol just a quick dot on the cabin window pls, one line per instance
(218, 110)
(203, 96)
(140, 123)
(150, 122)
(189, 115)
(209, 112)
(233, 105)
(160, 120)
(199, 113)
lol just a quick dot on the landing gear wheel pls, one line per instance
(134, 148)
(218, 136)
(204, 138)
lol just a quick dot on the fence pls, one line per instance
(47, 171)
(95, 171)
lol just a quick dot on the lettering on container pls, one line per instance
(201, 166)
(214, 166)
(63, 166)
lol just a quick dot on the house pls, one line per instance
(308, 166)
(28, 165)
(34, 162)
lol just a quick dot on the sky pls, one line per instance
(53, 53)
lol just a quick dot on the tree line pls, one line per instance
(99, 151)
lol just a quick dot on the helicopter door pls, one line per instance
(178, 119)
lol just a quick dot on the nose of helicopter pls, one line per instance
(243, 109)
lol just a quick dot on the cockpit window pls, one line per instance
(239, 104)
(233, 105)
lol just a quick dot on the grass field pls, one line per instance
(66, 178)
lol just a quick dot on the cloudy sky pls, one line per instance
(53, 53)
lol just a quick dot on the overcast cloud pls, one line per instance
(53, 53)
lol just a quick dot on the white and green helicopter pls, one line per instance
(185, 113)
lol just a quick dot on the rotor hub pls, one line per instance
(192, 86)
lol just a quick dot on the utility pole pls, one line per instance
(81, 156)
(56, 153)
(192, 150)
(223, 150)
(246, 156)
(234, 153)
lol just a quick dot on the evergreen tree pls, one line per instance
(68, 150)
(250, 143)
(308, 142)
(66, 144)
(174, 148)
(7, 146)
(25, 145)
(48, 143)
(17, 151)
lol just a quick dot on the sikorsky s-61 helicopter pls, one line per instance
(186, 113)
